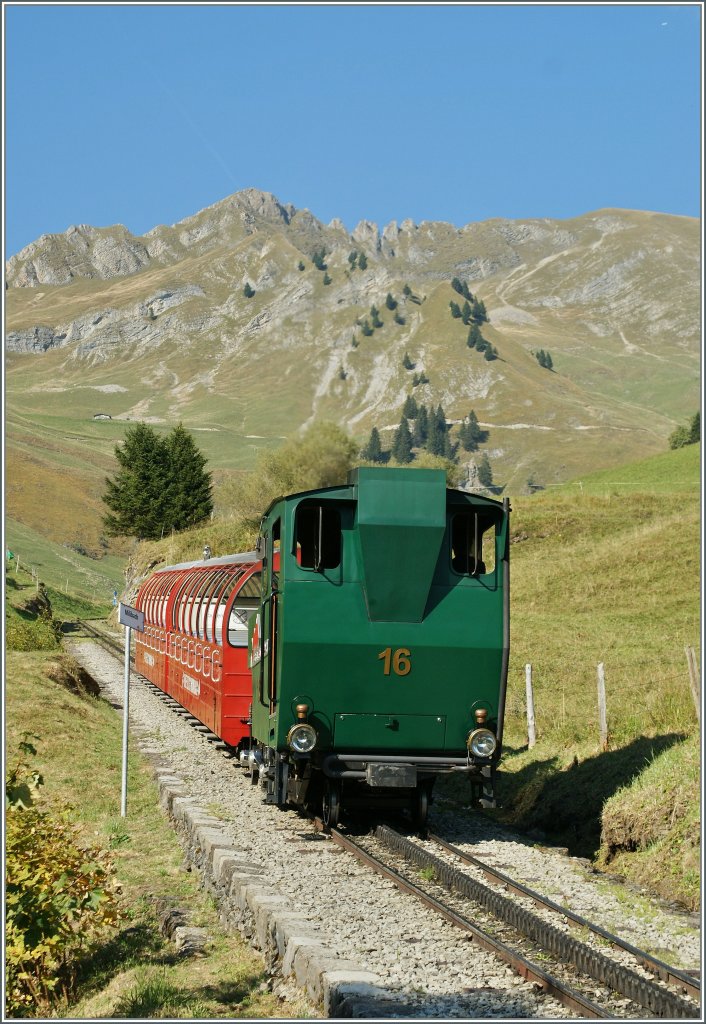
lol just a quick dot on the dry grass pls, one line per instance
(136, 973)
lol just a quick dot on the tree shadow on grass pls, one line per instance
(566, 804)
(129, 947)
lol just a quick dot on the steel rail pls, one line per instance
(670, 975)
(659, 1001)
(525, 968)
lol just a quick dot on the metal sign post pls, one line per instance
(131, 618)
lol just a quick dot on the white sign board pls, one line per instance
(132, 617)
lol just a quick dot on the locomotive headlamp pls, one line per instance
(481, 743)
(301, 738)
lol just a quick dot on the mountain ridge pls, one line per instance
(613, 295)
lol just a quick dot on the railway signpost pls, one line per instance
(131, 618)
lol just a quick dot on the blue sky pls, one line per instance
(145, 114)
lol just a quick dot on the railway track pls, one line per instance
(588, 982)
(582, 978)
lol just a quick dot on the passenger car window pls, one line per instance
(472, 544)
(317, 537)
(240, 614)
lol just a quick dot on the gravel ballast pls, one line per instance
(350, 940)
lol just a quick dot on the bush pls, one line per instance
(41, 635)
(59, 899)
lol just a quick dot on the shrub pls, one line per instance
(41, 635)
(59, 898)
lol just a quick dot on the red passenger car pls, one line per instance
(195, 643)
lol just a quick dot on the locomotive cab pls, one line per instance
(379, 648)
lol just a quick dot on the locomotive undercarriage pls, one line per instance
(361, 782)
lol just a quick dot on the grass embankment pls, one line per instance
(136, 973)
(608, 571)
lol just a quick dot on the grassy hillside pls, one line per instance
(607, 570)
(613, 295)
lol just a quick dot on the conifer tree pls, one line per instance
(474, 336)
(373, 450)
(300, 265)
(490, 353)
(436, 440)
(366, 329)
(375, 316)
(362, 261)
(485, 473)
(327, 278)
(402, 445)
(455, 310)
(160, 485)
(410, 408)
(319, 259)
(421, 427)
(399, 319)
(406, 291)
(390, 302)
(407, 362)
(479, 312)
(352, 257)
(248, 291)
(466, 312)
(189, 491)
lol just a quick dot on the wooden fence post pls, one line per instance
(602, 710)
(694, 680)
(531, 729)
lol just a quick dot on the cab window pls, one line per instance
(317, 536)
(472, 544)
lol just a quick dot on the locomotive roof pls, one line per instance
(348, 489)
(242, 558)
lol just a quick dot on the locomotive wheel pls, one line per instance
(420, 806)
(331, 807)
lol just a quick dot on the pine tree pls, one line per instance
(485, 473)
(479, 313)
(490, 353)
(160, 484)
(319, 259)
(366, 329)
(352, 257)
(362, 261)
(455, 310)
(695, 428)
(354, 342)
(399, 319)
(248, 291)
(421, 427)
(406, 291)
(327, 279)
(457, 285)
(474, 337)
(410, 408)
(466, 312)
(548, 361)
(436, 440)
(373, 450)
(300, 265)
(407, 362)
(402, 445)
(189, 491)
(375, 316)
(390, 302)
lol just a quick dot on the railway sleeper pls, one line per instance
(591, 963)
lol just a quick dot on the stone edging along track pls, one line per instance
(247, 904)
